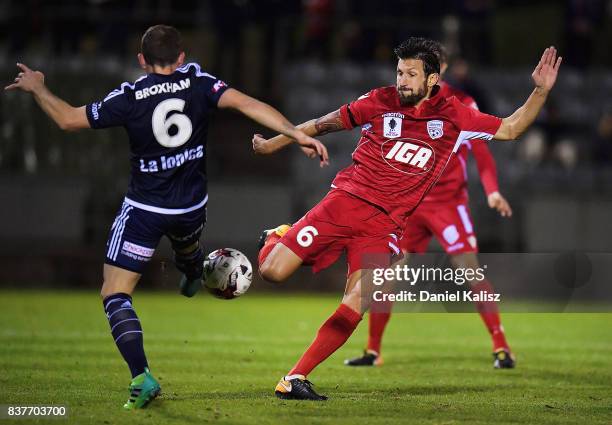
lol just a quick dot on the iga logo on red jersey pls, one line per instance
(410, 156)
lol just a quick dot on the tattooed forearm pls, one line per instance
(329, 123)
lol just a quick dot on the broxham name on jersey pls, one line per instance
(162, 88)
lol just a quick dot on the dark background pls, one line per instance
(59, 192)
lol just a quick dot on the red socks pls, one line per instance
(378, 321)
(331, 336)
(489, 313)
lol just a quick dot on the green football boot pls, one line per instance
(143, 389)
(190, 287)
(192, 268)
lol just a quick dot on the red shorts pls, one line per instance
(342, 222)
(449, 222)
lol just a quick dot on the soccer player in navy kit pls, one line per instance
(165, 113)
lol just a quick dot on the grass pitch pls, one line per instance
(218, 362)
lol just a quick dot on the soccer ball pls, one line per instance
(227, 273)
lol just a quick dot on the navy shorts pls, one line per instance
(136, 232)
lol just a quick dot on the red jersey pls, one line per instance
(403, 150)
(452, 185)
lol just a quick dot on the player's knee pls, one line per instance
(118, 284)
(107, 289)
(355, 301)
(110, 287)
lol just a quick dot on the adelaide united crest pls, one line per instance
(435, 128)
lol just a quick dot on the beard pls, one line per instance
(414, 97)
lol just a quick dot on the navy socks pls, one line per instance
(126, 331)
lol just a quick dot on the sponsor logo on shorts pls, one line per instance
(142, 251)
(450, 234)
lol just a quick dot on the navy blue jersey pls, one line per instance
(166, 117)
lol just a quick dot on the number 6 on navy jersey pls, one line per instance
(162, 122)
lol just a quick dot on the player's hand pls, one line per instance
(261, 146)
(309, 144)
(498, 202)
(309, 152)
(545, 73)
(27, 80)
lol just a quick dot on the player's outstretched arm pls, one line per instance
(318, 127)
(544, 77)
(67, 117)
(269, 117)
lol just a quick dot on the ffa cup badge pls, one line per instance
(392, 127)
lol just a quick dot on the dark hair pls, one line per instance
(161, 45)
(422, 49)
(440, 51)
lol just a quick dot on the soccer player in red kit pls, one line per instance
(408, 134)
(444, 213)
